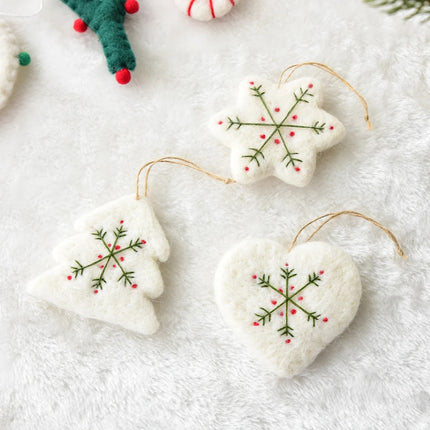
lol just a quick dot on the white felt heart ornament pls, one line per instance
(276, 131)
(286, 307)
(109, 270)
(205, 10)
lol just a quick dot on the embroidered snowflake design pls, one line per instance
(287, 301)
(111, 256)
(277, 131)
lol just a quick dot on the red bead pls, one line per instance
(281, 314)
(109, 245)
(123, 76)
(219, 122)
(117, 247)
(300, 298)
(246, 168)
(274, 302)
(263, 119)
(114, 266)
(277, 109)
(80, 26)
(297, 169)
(292, 287)
(69, 277)
(281, 290)
(294, 117)
(292, 134)
(134, 286)
(321, 272)
(256, 323)
(288, 341)
(277, 141)
(143, 241)
(311, 85)
(121, 258)
(251, 83)
(96, 291)
(122, 221)
(100, 256)
(286, 264)
(262, 136)
(254, 276)
(102, 266)
(325, 319)
(131, 6)
(293, 311)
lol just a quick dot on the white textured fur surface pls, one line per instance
(114, 302)
(72, 139)
(202, 10)
(9, 62)
(291, 158)
(332, 299)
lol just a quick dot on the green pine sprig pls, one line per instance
(416, 7)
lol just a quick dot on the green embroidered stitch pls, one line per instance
(257, 154)
(287, 274)
(106, 19)
(113, 254)
(417, 7)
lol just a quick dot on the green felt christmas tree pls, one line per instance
(106, 19)
(412, 8)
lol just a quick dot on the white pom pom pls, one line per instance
(205, 10)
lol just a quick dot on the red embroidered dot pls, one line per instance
(325, 319)
(122, 221)
(311, 85)
(256, 323)
(277, 109)
(294, 117)
(246, 168)
(251, 83)
(281, 290)
(331, 127)
(300, 298)
(321, 272)
(96, 291)
(114, 266)
(99, 256)
(277, 141)
(293, 311)
(143, 241)
(292, 287)
(262, 136)
(121, 258)
(69, 278)
(109, 245)
(281, 314)
(292, 134)
(254, 276)
(288, 341)
(263, 119)
(134, 286)
(297, 169)
(274, 302)
(219, 122)
(117, 247)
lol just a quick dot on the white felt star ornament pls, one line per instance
(277, 131)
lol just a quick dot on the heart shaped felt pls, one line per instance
(286, 307)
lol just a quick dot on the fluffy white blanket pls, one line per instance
(73, 139)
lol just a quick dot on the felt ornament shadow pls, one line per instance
(106, 19)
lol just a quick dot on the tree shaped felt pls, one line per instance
(106, 19)
(205, 10)
(109, 271)
(10, 59)
(277, 130)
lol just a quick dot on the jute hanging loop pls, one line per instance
(179, 162)
(328, 69)
(333, 215)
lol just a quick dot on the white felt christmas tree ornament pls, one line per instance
(10, 59)
(205, 10)
(109, 270)
(278, 130)
(287, 305)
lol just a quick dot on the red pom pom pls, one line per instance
(80, 26)
(131, 6)
(123, 76)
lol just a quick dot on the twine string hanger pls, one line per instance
(328, 69)
(179, 162)
(330, 216)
